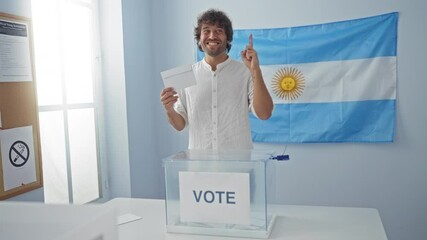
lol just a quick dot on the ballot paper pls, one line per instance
(125, 218)
(179, 77)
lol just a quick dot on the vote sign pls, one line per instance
(214, 197)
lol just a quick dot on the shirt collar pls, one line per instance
(219, 66)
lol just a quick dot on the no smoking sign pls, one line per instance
(19, 153)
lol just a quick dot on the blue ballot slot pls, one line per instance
(224, 193)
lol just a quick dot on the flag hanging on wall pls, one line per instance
(332, 82)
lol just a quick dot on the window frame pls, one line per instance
(96, 105)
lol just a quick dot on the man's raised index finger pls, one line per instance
(251, 45)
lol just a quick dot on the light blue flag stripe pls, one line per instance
(362, 121)
(354, 39)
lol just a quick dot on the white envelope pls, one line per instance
(179, 77)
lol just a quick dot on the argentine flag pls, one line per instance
(332, 82)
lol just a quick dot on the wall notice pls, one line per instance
(17, 149)
(15, 58)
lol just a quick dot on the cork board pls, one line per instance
(20, 159)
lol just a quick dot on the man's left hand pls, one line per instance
(250, 56)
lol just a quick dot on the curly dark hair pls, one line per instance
(214, 17)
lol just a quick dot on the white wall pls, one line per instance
(113, 134)
(389, 177)
(18, 7)
(146, 173)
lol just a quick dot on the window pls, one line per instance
(66, 50)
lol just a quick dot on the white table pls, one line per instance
(39, 221)
(292, 223)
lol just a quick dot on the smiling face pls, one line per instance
(213, 40)
(210, 22)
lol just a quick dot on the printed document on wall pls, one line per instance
(18, 159)
(15, 57)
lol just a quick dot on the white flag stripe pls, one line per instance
(341, 81)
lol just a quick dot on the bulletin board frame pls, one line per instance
(18, 103)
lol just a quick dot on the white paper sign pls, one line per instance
(179, 77)
(15, 64)
(213, 197)
(18, 160)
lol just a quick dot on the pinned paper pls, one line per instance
(179, 77)
(15, 52)
(18, 160)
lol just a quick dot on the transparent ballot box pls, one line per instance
(224, 193)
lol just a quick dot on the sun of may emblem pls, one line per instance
(288, 83)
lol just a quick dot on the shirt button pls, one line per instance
(214, 123)
(214, 90)
(214, 106)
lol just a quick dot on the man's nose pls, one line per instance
(213, 34)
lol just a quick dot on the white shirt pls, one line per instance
(216, 109)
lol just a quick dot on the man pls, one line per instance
(216, 109)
